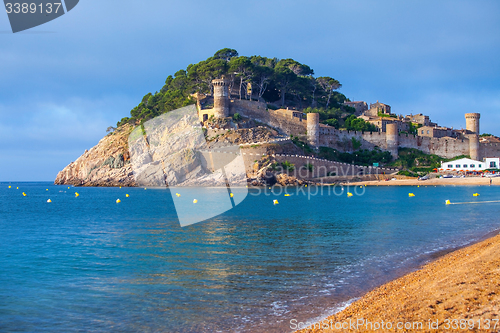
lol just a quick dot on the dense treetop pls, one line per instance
(278, 82)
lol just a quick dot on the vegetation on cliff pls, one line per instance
(360, 157)
(282, 82)
(414, 160)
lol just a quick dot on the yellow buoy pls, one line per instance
(349, 194)
(77, 195)
(49, 200)
(17, 188)
(120, 187)
(275, 202)
(68, 187)
(231, 195)
(287, 195)
(177, 194)
(24, 194)
(46, 189)
(448, 202)
(418, 185)
(10, 186)
(118, 201)
(475, 194)
(411, 194)
(269, 188)
(127, 195)
(306, 185)
(195, 201)
(144, 188)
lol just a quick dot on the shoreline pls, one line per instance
(461, 283)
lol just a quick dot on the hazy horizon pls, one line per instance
(63, 83)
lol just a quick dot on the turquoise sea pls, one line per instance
(90, 264)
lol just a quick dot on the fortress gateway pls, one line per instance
(291, 122)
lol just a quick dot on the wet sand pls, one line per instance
(459, 292)
(433, 182)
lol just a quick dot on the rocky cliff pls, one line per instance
(106, 164)
(109, 162)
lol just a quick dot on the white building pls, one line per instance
(492, 162)
(465, 164)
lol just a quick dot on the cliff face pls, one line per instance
(106, 164)
(109, 163)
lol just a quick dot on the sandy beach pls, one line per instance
(433, 182)
(459, 292)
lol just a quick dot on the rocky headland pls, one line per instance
(109, 162)
(106, 164)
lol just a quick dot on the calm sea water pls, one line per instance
(90, 264)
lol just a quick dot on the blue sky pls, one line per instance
(63, 83)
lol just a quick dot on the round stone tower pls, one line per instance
(221, 97)
(313, 129)
(392, 139)
(474, 147)
(472, 122)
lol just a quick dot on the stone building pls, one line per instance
(378, 108)
(360, 107)
(381, 123)
(419, 119)
(291, 113)
(435, 132)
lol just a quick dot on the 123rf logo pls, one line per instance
(26, 15)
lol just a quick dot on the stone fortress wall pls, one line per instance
(258, 111)
(327, 136)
